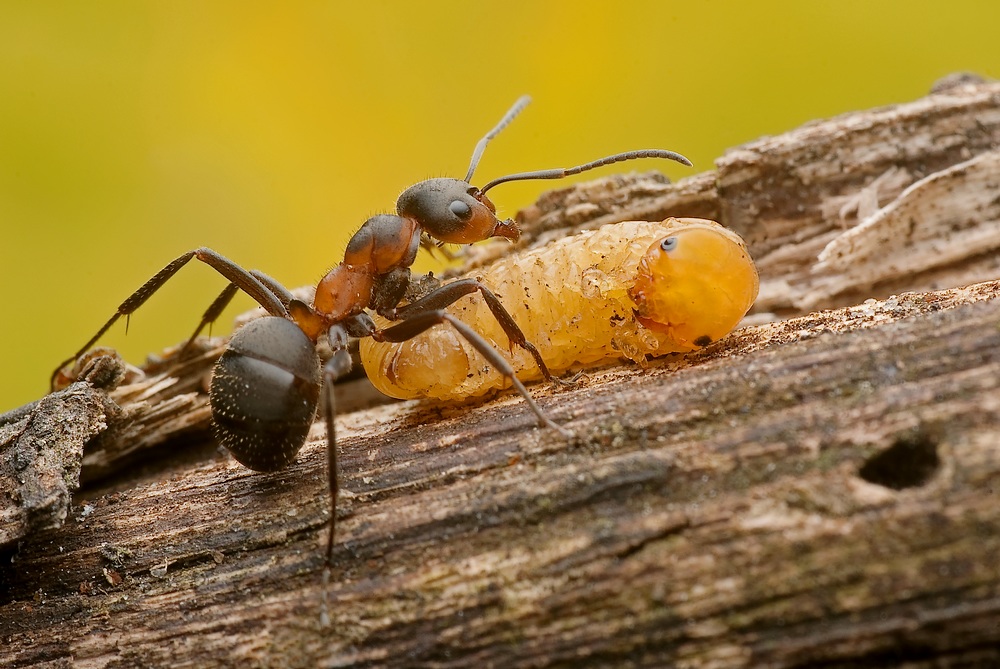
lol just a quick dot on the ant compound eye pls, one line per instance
(669, 244)
(460, 209)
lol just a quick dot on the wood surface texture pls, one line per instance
(817, 490)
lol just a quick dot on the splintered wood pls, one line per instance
(818, 488)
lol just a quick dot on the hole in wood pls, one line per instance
(910, 462)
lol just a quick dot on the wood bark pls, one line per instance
(821, 490)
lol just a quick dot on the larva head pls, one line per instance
(695, 284)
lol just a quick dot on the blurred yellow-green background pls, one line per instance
(131, 132)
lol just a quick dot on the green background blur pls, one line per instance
(131, 132)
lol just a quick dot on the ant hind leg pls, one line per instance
(225, 297)
(245, 280)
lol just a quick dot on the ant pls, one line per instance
(267, 384)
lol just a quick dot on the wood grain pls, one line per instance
(815, 491)
(711, 510)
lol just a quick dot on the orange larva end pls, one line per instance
(695, 284)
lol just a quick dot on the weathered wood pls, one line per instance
(41, 450)
(820, 490)
(754, 504)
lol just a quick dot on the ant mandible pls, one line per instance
(267, 384)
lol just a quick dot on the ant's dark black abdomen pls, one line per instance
(264, 393)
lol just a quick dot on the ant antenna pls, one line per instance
(559, 173)
(521, 103)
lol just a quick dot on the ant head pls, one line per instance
(453, 211)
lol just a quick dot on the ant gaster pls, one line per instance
(266, 386)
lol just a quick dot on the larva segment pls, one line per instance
(574, 300)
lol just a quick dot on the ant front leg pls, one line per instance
(415, 323)
(443, 297)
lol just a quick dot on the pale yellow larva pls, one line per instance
(631, 290)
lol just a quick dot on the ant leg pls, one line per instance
(417, 323)
(450, 293)
(433, 246)
(225, 297)
(243, 279)
(337, 366)
(212, 313)
(279, 291)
